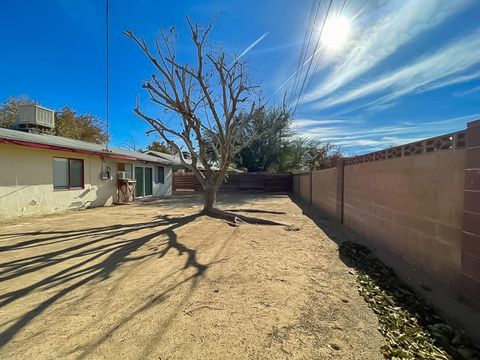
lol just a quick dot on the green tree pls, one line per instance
(9, 109)
(281, 150)
(304, 154)
(322, 156)
(293, 156)
(85, 127)
(68, 123)
(160, 147)
(263, 153)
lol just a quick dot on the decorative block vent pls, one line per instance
(440, 143)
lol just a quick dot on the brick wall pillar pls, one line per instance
(470, 276)
(340, 184)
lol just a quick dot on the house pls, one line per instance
(175, 160)
(42, 173)
(177, 165)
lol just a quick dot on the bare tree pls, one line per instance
(212, 98)
(130, 144)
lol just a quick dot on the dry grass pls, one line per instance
(156, 281)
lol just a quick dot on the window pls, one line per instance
(129, 171)
(127, 168)
(160, 175)
(67, 173)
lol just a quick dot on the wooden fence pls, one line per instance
(260, 182)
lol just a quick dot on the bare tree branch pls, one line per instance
(209, 89)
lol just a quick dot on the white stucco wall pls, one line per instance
(26, 182)
(159, 189)
(164, 189)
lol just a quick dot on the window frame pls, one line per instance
(69, 187)
(129, 172)
(124, 165)
(157, 178)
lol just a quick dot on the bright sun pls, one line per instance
(336, 32)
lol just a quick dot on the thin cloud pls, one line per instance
(475, 90)
(430, 72)
(363, 139)
(451, 81)
(252, 45)
(302, 123)
(398, 25)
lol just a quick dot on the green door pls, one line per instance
(148, 181)
(139, 177)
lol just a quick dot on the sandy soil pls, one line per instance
(155, 281)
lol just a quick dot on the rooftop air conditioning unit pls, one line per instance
(34, 116)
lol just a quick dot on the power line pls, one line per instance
(317, 64)
(305, 45)
(107, 76)
(341, 9)
(299, 75)
(314, 53)
(303, 53)
(294, 73)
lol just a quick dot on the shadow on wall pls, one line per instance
(13, 192)
(102, 194)
(423, 285)
(92, 260)
(46, 200)
(331, 226)
(340, 233)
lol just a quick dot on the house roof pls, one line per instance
(60, 143)
(175, 159)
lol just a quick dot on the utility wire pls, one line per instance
(318, 62)
(303, 63)
(306, 39)
(107, 77)
(314, 52)
(294, 73)
(341, 9)
(312, 27)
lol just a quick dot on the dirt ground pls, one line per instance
(156, 281)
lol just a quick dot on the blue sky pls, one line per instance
(408, 70)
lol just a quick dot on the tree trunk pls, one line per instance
(211, 188)
(210, 198)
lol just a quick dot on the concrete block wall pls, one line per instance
(411, 206)
(470, 275)
(305, 189)
(419, 201)
(324, 190)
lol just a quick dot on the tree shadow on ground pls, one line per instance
(224, 199)
(257, 211)
(95, 260)
(232, 216)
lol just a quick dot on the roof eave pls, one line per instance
(37, 145)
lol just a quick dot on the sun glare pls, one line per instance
(336, 32)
